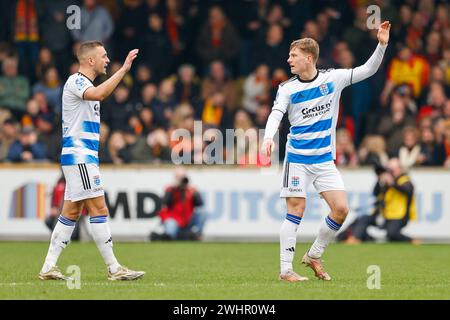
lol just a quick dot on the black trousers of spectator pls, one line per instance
(393, 228)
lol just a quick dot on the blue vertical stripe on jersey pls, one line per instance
(91, 159)
(91, 144)
(298, 158)
(68, 159)
(67, 142)
(318, 126)
(311, 143)
(90, 126)
(312, 93)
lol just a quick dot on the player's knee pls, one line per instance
(101, 210)
(341, 210)
(296, 206)
(72, 215)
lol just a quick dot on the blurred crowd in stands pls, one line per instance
(221, 62)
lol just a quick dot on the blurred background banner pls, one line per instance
(241, 205)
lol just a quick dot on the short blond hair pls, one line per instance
(307, 45)
(87, 46)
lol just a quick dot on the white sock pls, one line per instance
(102, 237)
(288, 239)
(327, 232)
(60, 239)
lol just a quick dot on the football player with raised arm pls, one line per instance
(79, 160)
(311, 100)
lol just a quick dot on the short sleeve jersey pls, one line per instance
(80, 123)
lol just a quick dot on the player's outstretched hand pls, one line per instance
(129, 60)
(267, 147)
(383, 32)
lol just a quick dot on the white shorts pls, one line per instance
(82, 182)
(297, 177)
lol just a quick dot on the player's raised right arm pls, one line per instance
(103, 90)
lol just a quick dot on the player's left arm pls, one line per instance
(371, 66)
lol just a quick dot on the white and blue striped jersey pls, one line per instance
(313, 108)
(80, 123)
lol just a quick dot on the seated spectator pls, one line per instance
(433, 48)
(256, 88)
(27, 148)
(179, 216)
(118, 109)
(147, 97)
(409, 152)
(187, 86)
(96, 23)
(432, 153)
(31, 114)
(217, 39)
(373, 151)
(51, 87)
(155, 47)
(434, 99)
(214, 113)
(183, 118)
(8, 135)
(136, 149)
(164, 104)
(408, 68)
(391, 125)
(158, 140)
(146, 119)
(345, 149)
(218, 81)
(45, 61)
(44, 106)
(14, 89)
(49, 135)
(143, 77)
(271, 50)
(115, 144)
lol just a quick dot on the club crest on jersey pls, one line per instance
(323, 89)
(79, 83)
(295, 181)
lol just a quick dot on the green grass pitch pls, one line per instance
(190, 271)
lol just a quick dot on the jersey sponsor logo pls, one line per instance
(316, 110)
(80, 82)
(295, 190)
